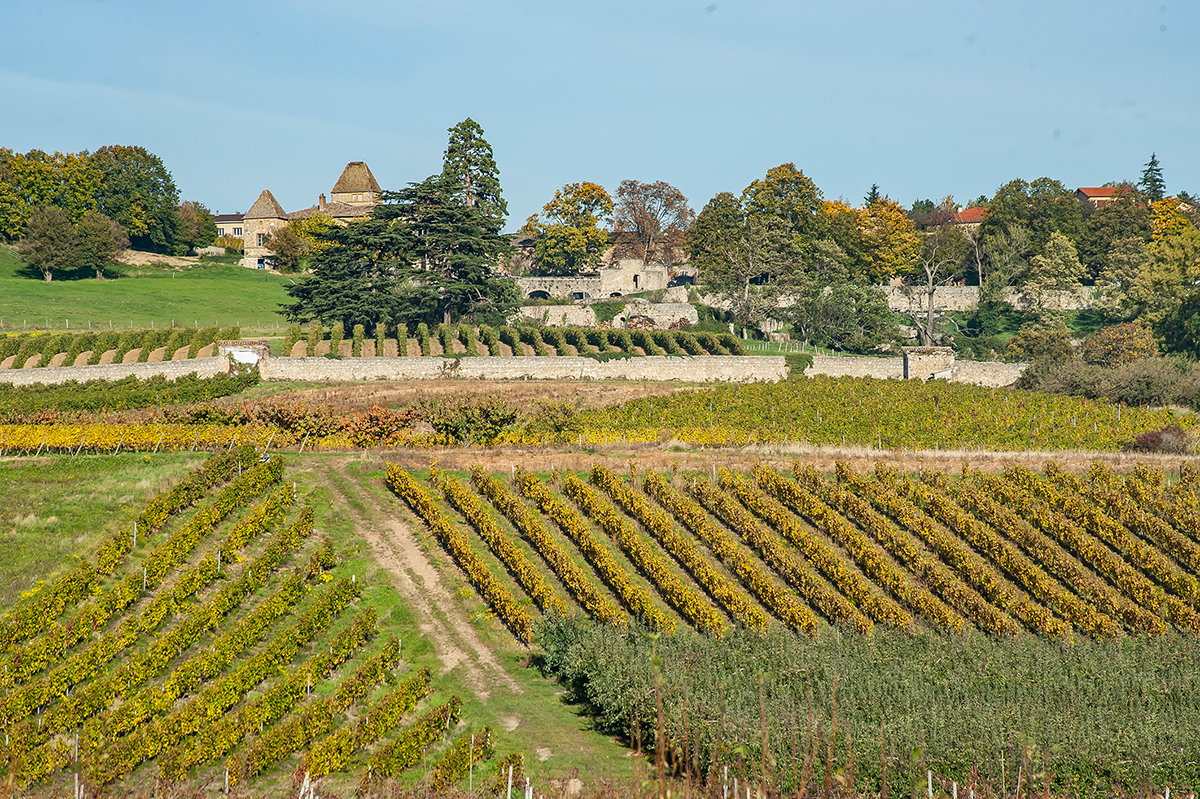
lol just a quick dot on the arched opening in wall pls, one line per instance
(615, 294)
(539, 295)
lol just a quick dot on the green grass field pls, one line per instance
(139, 297)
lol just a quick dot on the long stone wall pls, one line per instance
(694, 369)
(980, 373)
(203, 367)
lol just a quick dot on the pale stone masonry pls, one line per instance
(51, 375)
(692, 369)
(353, 196)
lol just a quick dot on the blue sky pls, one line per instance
(923, 98)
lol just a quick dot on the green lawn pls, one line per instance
(204, 295)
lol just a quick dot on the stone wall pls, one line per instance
(557, 315)
(980, 373)
(922, 363)
(628, 276)
(203, 367)
(987, 373)
(695, 369)
(664, 314)
(850, 366)
(966, 298)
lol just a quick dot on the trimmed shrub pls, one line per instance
(359, 334)
(402, 339)
(293, 335)
(380, 338)
(336, 334)
(423, 338)
(316, 334)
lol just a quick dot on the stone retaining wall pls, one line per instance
(849, 366)
(694, 369)
(980, 373)
(203, 367)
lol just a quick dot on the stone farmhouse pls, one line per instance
(353, 196)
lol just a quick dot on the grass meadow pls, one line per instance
(206, 295)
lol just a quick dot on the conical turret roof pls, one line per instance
(266, 207)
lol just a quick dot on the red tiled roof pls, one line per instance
(1098, 191)
(971, 216)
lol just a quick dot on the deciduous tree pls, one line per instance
(890, 239)
(1056, 268)
(137, 190)
(1124, 216)
(51, 243)
(650, 220)
(196, 227)
(942, 258)
(99, 239)
(739, 253)
(568, 234)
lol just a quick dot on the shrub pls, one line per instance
(1154, 381)
(488, 335)
(104, 343)
(177, 339)
(446, 336)
(316, 334)
(335, 338)
(553, 417)
(289, 341)
(380, 338)
(469, 420)
(1168, 440)
(423, 338)
(1040, 342)
(1118, 345)
(152, 341)
(402, 339)
(359, 334)
(466, 334)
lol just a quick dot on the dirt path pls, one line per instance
(441, 617)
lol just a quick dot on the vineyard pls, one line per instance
(218, 638)
(521, 340)
(33, 350)
(1004, 564)
(879, 414)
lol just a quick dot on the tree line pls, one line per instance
(73, 210)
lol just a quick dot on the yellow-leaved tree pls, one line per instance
(890, 240)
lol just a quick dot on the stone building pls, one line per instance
(353, 196)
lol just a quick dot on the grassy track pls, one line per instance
(206, 295)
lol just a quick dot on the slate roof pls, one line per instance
(266, 207)
(356, 177)
(225, 218)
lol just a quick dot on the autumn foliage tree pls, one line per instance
(650, 220)
(568, 235)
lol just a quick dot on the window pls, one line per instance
(237, 231)
(260, 239)
(262, 263)
(220, 232)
